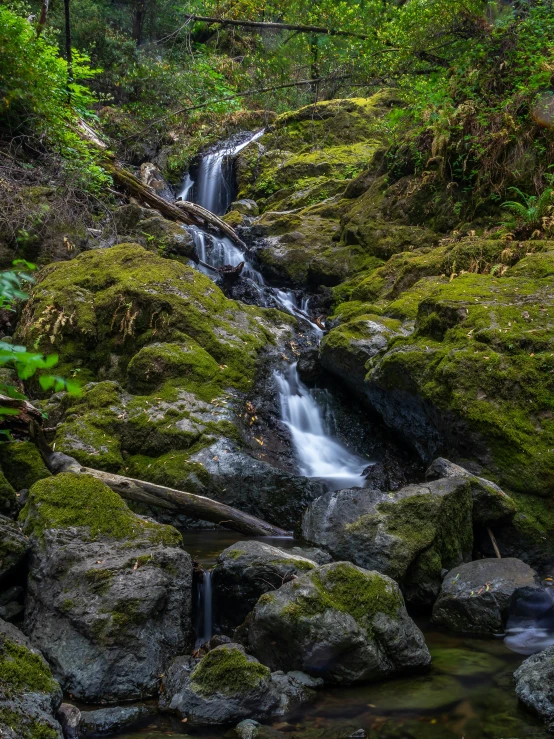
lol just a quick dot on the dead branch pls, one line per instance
(20, 413)
(278, 26)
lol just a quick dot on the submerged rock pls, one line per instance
(410, 535)
(227, 685)
(109, 596)
(246, 570)
(106, 721)
(535, 685)
(338, 622)
(490, 503)
(29, 695)
(474, 597)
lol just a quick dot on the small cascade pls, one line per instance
(186, 188)
(204, 612)
(318, 454)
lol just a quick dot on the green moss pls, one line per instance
(228, 671)
(346, 588)
(8, 498)
(22, 464)
(69, 500)
(24, 726)
(21, 670)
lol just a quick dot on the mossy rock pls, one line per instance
(8, 497)
(22, 464)
(464, 662)
(229, 671)
(72, 500)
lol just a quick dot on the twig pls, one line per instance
(494, 544)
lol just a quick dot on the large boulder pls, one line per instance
(410, 535)
(109, 596)
(535, 685)
(490, 503)
(22, 464)
(246, 570)
(474, 597)
(29, 695)
(338, 622)
(227, 685)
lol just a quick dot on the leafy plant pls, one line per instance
(532, 214)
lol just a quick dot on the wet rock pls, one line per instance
(106, 721)
(227, 685)
(338, 622)
(246, 570)
(14, 546)
(474, 597)
(309, 367)
(29, 695)
(535, 685)
(69, 717)
(490, 503)
(249, 729)
(410, 535)
(109, 596)
(11, 603)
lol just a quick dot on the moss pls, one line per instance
(235, 553)
(8, 498)
(22, 670)
(26, 727)
(100, 579)
(346, 588)
(127, 613)
(228, 671)
(22, 464)
(173, 469)
(69, 500)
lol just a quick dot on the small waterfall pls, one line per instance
(186, 188)
(204, 617)
(318, 454)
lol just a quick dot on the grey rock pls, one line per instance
(228, 685)
(490, 503)
(339, 622)
(249, 729)
(409, 535)
(246, 207)
(14, 546)
(106, 721)
(535, 685)
(29, 696)
(246, 570)
(108, 614)
(474, 597)
(69, 717)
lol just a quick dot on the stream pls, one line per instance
(468, 692)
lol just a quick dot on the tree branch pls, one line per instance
(278, 26)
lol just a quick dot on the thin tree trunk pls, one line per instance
(195, 506)
(68, 54)
(43, 16)
(278, 26)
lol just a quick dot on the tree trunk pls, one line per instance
(68, 54)
(43, 15)
(195, 506)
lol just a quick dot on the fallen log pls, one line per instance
(195, 506)
(16, 414)
(183, 211)
(267, 25)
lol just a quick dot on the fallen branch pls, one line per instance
(195, 506)
(494, 544)
(18, 414)
(278, 26)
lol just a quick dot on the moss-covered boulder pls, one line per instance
(14, 546)
(227, 685)
(21, 464)
(29, 695)
(109, 598)
(410, 535)
(339, 622)
(8, 496)
(149, 229)
(468, 371)
(248, 569)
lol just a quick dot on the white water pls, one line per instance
(318, 454)
(204, 621)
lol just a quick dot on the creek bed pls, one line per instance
(467, 694)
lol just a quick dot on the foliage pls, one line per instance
(531, 216)
(34, 99)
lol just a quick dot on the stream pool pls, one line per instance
(468, 693)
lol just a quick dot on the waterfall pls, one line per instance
(318, 454)
(204, 618)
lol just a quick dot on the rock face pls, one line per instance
(339, 622)
(109, 596)
(228, 685)
(106, 721)
(474, 597)
(490, 503)
(29, 695)
(409, 535)
(246, 570)
(535, 685)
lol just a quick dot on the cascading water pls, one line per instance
(318, 454)
(204, 618)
